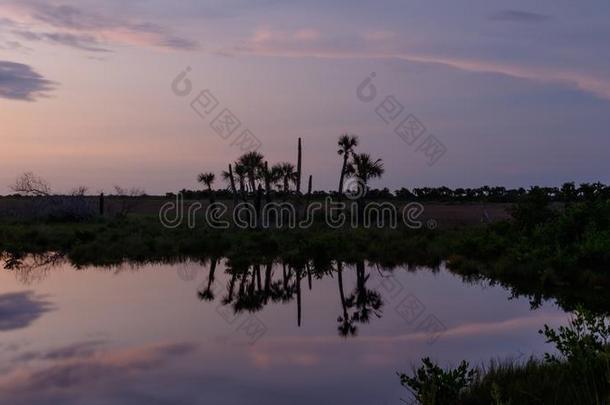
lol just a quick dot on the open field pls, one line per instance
(445, 214)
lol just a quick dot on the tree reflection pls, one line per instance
(250, 287)
(346, 323)
(364, 301)
(207, 294)
(32, 268)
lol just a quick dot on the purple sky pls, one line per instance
(518, 94)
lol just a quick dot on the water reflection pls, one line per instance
(20, 309)
(252, 286)
(77, 335)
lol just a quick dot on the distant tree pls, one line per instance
(404, 194)
(347, 143)
(230, 179)
(240, 172)
(253, 163)
(79, 191)
(568, 192)
(364, 168)
(30, 184)
(287, 173)
(207, 179)
(128, 199)
(275, 176)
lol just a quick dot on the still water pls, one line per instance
(183, 334)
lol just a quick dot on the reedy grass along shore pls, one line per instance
(578, 374)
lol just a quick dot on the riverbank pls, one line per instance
(540, 252)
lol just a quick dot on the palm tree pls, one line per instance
(207, 294)
(346, 325)
(364, 168)
(364, 301)
(226, 176)
(346, 144)
(275, 176)
(207, 179)
(240, 172)
(230, 179)
(254, 166)
(287, 173)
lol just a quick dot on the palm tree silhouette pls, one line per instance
(346, 144)
(207, 294)
(228, 177)
(253, 165)
(346, 324)
(207, 179)
(287, 174)
(365, 301)
(363, 168)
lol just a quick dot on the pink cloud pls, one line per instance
(83, 29)
(384, 45)
(80, 367)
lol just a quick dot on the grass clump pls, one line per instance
(578, 373)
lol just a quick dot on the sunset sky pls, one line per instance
(518, 93)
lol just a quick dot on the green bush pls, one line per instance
(431, 385)
(579, 373)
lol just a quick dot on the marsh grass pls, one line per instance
(579, 373)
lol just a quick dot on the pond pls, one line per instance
(206, 333)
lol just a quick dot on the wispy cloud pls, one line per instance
(519, 16)
(268, 42)
(79, 41)
(75, 350)
(86, 29)
(82, 365)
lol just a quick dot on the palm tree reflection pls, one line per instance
(251, 287)
(207, 294)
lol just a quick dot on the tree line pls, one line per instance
(252, 175)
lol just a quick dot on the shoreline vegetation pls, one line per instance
(579, 372)
(541, 252)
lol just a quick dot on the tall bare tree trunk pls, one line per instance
(342, 178)
(257, 206)
(299, 158)
(233, 188)
(267, 183)
(309, 185)
(341, 291)
(299, 306)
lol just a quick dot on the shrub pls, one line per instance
(431, 385)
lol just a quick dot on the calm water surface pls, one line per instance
(168, 334)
